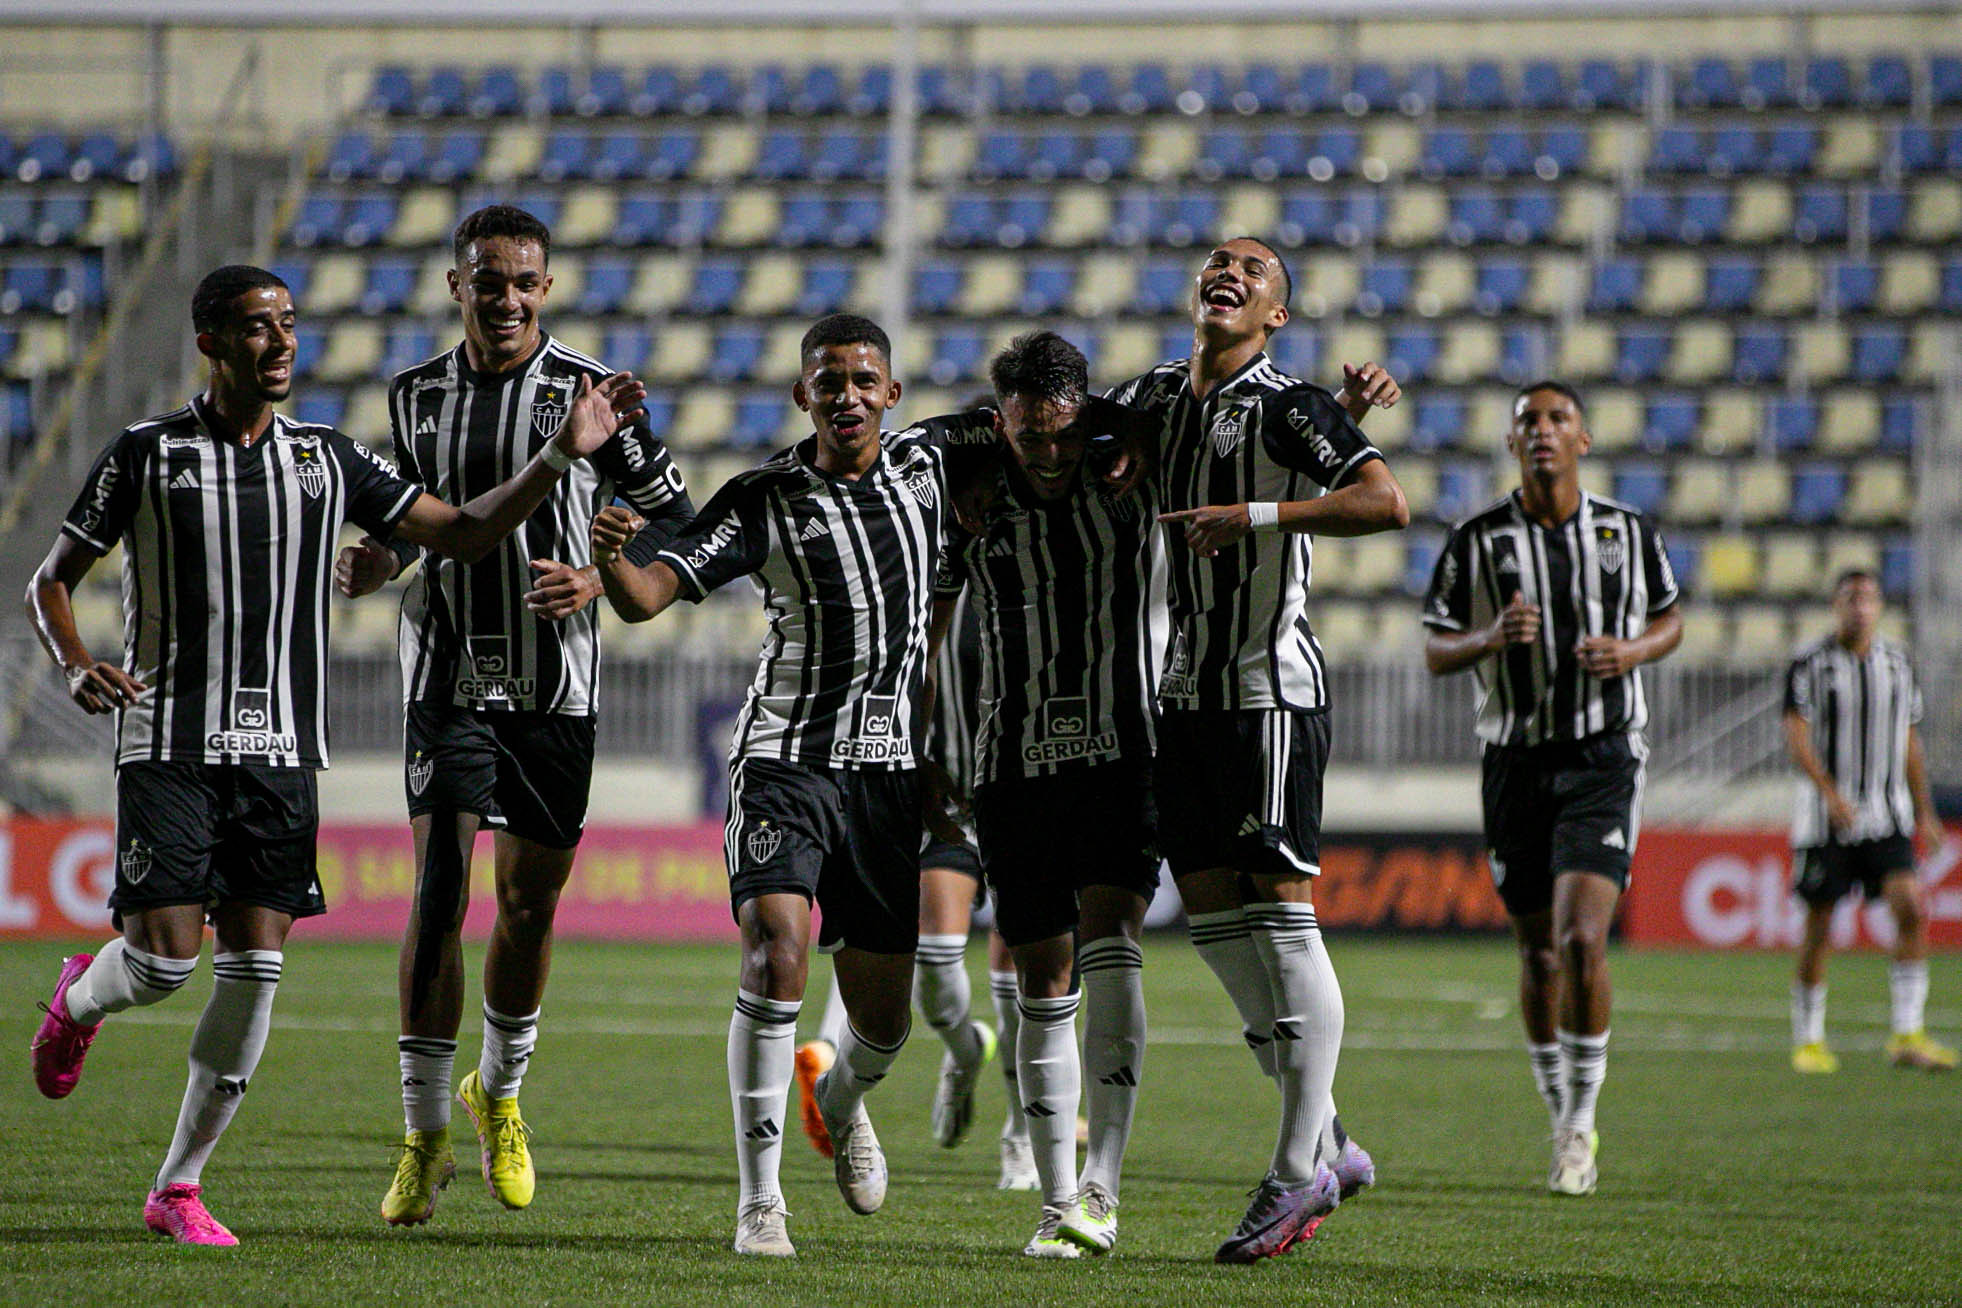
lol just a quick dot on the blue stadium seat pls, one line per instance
(1208, 90)
(566, 154)
(820, 92)
(1337, 152)
(940, 92)
(352, 155)
(1485, 87)
(1439, 422)
(1056, 154)
(606, 93)
(1897, 567)
(391, 284)
(1282, 152)
(1176, 342)
(1945, 80)
(1949, 300)
(1224, 152)
(958, 355)
(1263, 89)
(1918, 148)
(1372, 89)
(970, 219)
(405, 157)
(660, 91)
(843, 153)
(1890, 82)
(1039, 92)
(1543, 86)
(1110, 153)
(45, 156)
(1501, 286)
(1854, 286)
(660, 408)
(609, 281)
(1735, 149)
(937, 287)
(1450, 152)
(1509, 152)
(1476, 217)
(1684, 556)
(499, 94)
(1828, 83)
(827, 287)
(1461, 488)
(1412, 352)
(1308, 217)
(1361, 218)
(97, 154)
(1296, 353)
(1792, 423)
(29, 285)
(805, 219)
(1642, 484)
(1427, 86)
(1163, 286)
(1563, 151)
(444, 94)
(1647, 216)
(1879, 353)
(1095, 92)
(1047, 285)
(780, 156)
(716, 285)
(1024, 219)
(318, 222)
(369, 218)
(1641, 353)
(155, 155)
(308, 349)
(556, 95)
(717, 90)
(620, 156)
(63, 216)
(1818, 491)
(672, 154)
(1316, 92)
(1819, 214)
(1421, 549)
(859, 219)
(1760, 353)
(321, 407)
(406, 345)
(1704, 216)
(629, 347)
(392, 92)
(1605, 84)
(1000, 154)
(1768, 84)
(1617, 286)
(1732, 284)
(298, 276)
(1886, 214)
(737, 353)
(1676, 150)
(1711, 84)
(1386, 286)
(1899, 425)
(769, 91)
(1792, 149)
(759, 417)
(17, 220)
(1670, 421)
(1535, 213)
(643, 218)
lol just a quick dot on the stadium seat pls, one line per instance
(1854, 286)
(1700, 493)
(1890, 82)
(1412, 353)
(1642, 484)
(1789, 564)
(1764, 491)
(1879, 354)
(1828, 83)
(1945, 80)
(1386, 287)
(1820, 215)
(1501, 286)
(1818, 492)
(1616, 286)
(959, 354)
(1880, 494)
(391, 283)
(1729, 567)
(717, 283)
(1761, 351)
(1640, 354)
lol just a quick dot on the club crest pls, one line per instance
(762, 843)
(134, 862)
(420, 770)
(919, 487)
(310, 472)
(549, 405)
(1611, 547)
(1229, 429)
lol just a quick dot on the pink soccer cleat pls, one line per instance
(1280, 1217)
(178, 1212)
(62, 1043)
(1354, 1169)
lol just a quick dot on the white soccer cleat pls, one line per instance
(953, 1099)
(1574, 1171)
(857, 1161)
(1048, 1240)
(1091, 1223)
(1018, 1169)
(760, 1230)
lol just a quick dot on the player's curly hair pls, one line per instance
(211, 303)
(506, 220)
(845, 329)
(1041, 365)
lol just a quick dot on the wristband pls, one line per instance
(1264, 516)
(555, 458)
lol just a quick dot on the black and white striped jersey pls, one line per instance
(1860, 711)
(847, 572)
(1603, 572)
(467, 638)
(228, 556)
(1069, 595)
(1240, 637)
(956, 703)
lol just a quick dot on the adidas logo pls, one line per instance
(1615, 840)
(1001, 549)
(1285, 1030)
(764, 1130)
(1122, 1076)
(1250, 827)
(185, 480)
(427, 427)
(812, 530)
(227, 1086)
(1037, 1110)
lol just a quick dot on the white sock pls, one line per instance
(508, 1042)
(861, 1065)
(1052, 1085)
(831, 1027)
(941, 990)
(1548, 1079)
(1808, 1013)
(1907, 987)
(1308, 1020)
(123, 976)
(1583, 1066)
(427, 1066)
(1001, 988)
(762, 1058)
(1225, 946)
(1113, 1050)
(225, 1051)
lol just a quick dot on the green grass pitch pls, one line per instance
(1726, 1179)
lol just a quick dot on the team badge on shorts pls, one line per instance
(762, 843)
(134, 862)
(420, 770)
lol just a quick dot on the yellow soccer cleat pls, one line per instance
(422, 1173)
(506, 1142)
(1915, 1049)
(1814, 1059)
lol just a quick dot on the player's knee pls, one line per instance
(527, 914)
(1539, 961)
(1583, 944)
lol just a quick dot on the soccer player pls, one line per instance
(1060, 575)
(1251, 463)
(1851, 704)
(1555, 597)
(228, 515)
(500, 677)
(842, 533)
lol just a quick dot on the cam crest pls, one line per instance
(1612, 548)
(134, 862)
(310, 472)
(549, 405)
(761, 844)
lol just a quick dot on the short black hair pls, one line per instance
(1287, 278)
(501, 220)
(1558, 388)
(1854, 574)
(845, 329)
(211, 303)
(1043, 366)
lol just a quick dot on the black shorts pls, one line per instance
(963, 858)
(1044, 839)
(1242, 788)
(526, 773)
(216, 833)
(1825, 874)
(1570, 806)
(846, 838)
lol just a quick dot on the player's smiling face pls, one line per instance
(252, 353)
(501, 284)
(1238, 292)
(1042, 437)
(1548, 435)
(846, 389)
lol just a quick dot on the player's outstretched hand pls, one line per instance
(562, 590)
(1370, 386)
(612, 529)
(103, 687)
(365, 568)
(1211, 529)
(599, 411)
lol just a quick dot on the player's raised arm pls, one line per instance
(470, 531)
(636, 592)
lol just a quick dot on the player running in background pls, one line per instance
(500, 678)
(1251, 463)
(1851, 704)
(228, 515)
(1555, 597)
(842, 533)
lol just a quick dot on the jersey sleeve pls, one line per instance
(108, 498)
(1304, 429)
(377, 495)
(644, 477)
(1798, 689)
(1448, 603)
(728, 539)
(1661, 575)
(950, 575)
